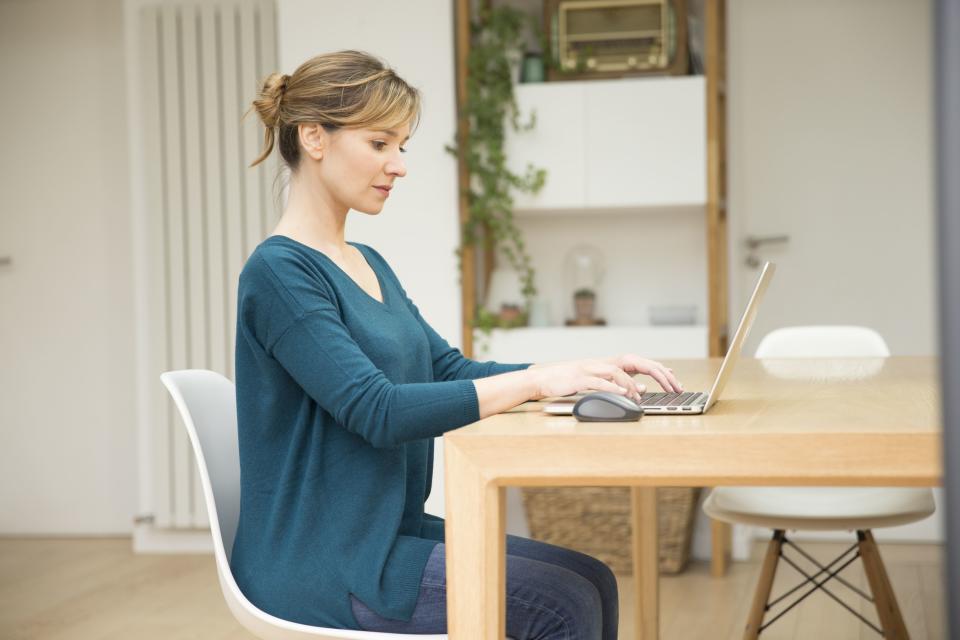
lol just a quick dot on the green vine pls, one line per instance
(496, 35)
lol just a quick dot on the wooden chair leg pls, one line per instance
(720, 539)
(762, 595)
(891, 621)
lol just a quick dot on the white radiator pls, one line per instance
(193, 70)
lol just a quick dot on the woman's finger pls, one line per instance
(661, 378)
(673, 379)
(626, 380)
(621, 377)
(600, 384)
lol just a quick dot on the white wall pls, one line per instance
(652, 257)
(831, 140)
(418, 229)
(67, 420)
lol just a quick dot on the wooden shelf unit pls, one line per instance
(716, 227)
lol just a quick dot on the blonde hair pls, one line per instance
(343, 89)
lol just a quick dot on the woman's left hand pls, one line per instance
(632, 363)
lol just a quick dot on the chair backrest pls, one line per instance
(207, 403)
(823, 342)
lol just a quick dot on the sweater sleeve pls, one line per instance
(321, 355)
(449, 363)
(432, 527)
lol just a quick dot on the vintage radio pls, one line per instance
(615, 38)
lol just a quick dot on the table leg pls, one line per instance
(720, 547)
(646, 562)
(475, 536)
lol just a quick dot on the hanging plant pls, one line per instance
(497, 41)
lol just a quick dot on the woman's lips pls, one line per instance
(383, 190)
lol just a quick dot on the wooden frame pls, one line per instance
(468, 277)
(716, 74)
(715, 32)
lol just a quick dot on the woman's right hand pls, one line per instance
(567, 378)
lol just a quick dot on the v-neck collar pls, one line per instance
(380, 282)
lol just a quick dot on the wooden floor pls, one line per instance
(97, 588)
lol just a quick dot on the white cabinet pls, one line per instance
(626, 143)
(556, 143)
(620, 147)
(546, 344)
(646, 142)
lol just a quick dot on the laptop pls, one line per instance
(693, 402)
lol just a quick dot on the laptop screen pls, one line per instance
(746, 321)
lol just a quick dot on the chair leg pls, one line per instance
(887, 609)
(762, 595)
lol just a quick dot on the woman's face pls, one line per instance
(358, 167)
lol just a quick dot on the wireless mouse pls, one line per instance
(604, 406)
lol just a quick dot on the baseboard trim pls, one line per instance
(149, 539)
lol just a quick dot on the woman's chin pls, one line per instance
(371, 209)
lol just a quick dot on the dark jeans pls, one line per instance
(552, 594)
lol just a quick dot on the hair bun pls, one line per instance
(269, 101)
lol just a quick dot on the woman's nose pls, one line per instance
(396, 168)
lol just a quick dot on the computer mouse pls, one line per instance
(604, 406)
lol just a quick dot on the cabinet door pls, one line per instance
(645, 142)
(556, 143)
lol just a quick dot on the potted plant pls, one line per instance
(498, 40)
(583, 305)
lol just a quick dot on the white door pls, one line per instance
(66, 314)
(830, 145)
(830, 128)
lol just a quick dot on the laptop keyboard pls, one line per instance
(672, 399)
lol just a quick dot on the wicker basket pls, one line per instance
(596, 521)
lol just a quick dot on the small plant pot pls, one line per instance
(584, 309)
(510, 314)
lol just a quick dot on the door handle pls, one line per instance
(753, 241)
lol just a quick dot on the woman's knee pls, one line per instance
(586, 565)
(548, 602)
(604, 576)
(599, 574)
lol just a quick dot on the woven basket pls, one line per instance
(596, 521)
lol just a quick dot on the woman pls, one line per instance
(342, 386)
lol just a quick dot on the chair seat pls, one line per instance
(819, 508)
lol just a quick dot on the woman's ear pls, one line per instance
(313, 138)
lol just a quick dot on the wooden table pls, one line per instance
(872, 422)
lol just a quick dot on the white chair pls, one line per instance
(206, 401)
(823, 508)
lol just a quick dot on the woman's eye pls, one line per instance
(380, 144)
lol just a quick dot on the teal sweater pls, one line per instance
(339, 397)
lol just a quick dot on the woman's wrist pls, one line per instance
(532, 384)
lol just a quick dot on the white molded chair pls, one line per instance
(207, 404)
(823, 508)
